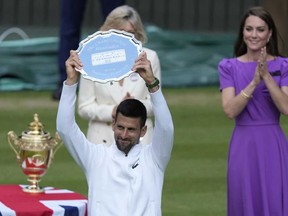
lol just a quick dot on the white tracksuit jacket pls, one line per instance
(120, 185)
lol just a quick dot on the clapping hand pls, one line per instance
(261, 69)
(262, 63)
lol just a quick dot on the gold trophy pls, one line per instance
(34, 150)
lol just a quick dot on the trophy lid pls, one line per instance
(35, 127)
(36, 137)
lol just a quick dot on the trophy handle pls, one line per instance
(13, 142)
(58, 142)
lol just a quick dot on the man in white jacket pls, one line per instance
(126, 178)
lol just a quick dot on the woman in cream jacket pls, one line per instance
(97, 102)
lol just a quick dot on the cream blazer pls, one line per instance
(96, 102)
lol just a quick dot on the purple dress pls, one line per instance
(257, 176)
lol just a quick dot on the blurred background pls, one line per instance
(203, 15)
(190, 37)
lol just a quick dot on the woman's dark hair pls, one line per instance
(240, 47)
(133, 108)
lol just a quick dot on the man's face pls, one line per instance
(127, 132)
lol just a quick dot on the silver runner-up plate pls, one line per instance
(108, 55)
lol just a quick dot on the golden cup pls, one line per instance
(35, 150)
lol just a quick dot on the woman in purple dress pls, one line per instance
(254, 88)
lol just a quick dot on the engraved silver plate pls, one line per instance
(108, 55)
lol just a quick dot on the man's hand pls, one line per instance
(143, 67)
(73, 63)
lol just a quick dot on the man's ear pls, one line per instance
(143, 131)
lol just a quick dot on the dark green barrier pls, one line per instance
(28, 64)
(187, 59)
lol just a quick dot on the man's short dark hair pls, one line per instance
(133, 108)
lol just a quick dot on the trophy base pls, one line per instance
(33, 189)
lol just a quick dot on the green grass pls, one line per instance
(195, 180)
